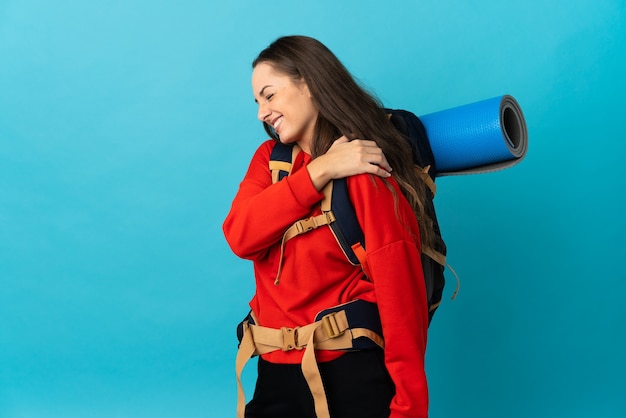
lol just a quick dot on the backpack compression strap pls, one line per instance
(423, 173)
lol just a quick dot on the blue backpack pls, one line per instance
(339, 213)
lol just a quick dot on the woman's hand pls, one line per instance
(347, 158)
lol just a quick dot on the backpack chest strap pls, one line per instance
(303, 226)
(298, 228)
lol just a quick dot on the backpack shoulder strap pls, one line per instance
(347, 230)
(336, 201)
(281, 160)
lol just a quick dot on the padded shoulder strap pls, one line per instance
(280, 160)
(346, 230)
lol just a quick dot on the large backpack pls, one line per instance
(342, 219)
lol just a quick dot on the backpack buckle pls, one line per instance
(330, 217)
(306, 225)
(309, 224)
(330, 326)
(290, 339)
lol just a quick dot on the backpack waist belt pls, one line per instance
(351, 326)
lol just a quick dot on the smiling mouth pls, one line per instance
(277, 123)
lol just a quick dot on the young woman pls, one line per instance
(306, 97)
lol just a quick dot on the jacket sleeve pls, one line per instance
(393, 257)
(261, 211)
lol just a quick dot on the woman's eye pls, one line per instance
(269, 96)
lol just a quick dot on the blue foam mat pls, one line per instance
(479, 137)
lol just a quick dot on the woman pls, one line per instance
(306, 97)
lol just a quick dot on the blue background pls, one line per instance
(126, 126)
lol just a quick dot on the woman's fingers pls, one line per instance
(371, 153)
(349, 157)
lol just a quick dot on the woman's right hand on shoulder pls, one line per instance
(347, 158)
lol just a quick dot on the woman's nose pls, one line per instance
(263, 112)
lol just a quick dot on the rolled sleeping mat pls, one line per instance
(480, 137)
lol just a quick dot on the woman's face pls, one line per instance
(285, 105)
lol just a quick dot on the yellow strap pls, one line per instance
(312, 376)
(277, 166)
(275, 176)
(295, 151)
(246, 350)
(301, 227)
(423, 174)
(435, 255)
(327, 337)
(368, 333)
(328, 194)
(441, 259)
(332, 332)
(458, 281)
(280, 165)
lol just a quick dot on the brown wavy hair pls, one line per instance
(345, 108)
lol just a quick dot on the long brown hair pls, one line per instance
(345, 108)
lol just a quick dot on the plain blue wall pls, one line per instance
(126, 126)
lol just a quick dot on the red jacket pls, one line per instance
(316, 274)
